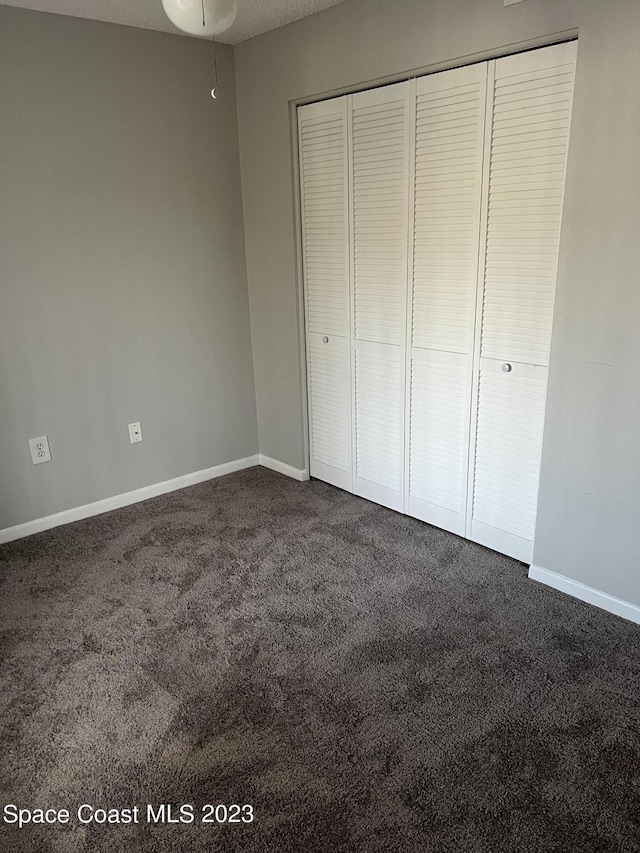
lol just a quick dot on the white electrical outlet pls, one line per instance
(39, 448)
(511, 2)
(135, 433)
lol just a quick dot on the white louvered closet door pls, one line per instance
(324, 185)
(380, 134)
(530, 116)
(449, 139)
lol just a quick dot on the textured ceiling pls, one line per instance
(254, 16)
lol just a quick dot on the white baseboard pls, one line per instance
(282, 468)
(586, 593)
(117, 501)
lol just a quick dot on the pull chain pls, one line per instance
(216, 92)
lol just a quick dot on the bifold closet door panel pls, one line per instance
(449, 143)
(380, 143)
(531, 112)
(324, 186)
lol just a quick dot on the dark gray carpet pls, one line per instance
(367, 682)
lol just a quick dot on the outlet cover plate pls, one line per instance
(40, 451)
(511, 2)
(135, 432)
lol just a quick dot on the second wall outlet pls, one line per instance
(135, 432)
(39, 448)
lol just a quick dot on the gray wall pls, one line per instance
(123, 290)
(589, 517)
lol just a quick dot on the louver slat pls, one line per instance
(447, 206)
(330, 410)
(509, 441)
(379, 415)
(324, 192)
(380, 214)
(438, 433)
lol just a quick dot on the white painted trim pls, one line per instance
(282, 468)
(586, 593)
(117, 501)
